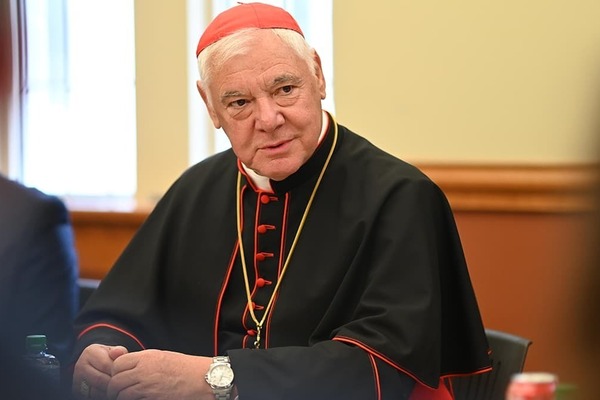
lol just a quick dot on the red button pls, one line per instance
(251, 332)
(262, 229)
(265, 199)
(260, 257)
(260, 282)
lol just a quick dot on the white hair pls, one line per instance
(215, 55)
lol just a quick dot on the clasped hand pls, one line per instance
(111, 372)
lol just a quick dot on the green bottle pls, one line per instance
(38, 358)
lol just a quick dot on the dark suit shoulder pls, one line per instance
(24, 208)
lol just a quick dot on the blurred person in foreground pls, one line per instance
(303, 263)
(38, 280)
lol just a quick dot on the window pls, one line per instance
(78, 109)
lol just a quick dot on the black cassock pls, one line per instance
(376, 295)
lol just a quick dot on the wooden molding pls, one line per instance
(104, 227)
(495, 188)
(513, 188)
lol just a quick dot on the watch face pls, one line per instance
(221, 375)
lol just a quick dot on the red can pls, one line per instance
(532, 386)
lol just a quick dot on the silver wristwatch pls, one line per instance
(220, 377)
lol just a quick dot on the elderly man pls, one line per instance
(303, 263)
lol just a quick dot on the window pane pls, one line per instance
(79, 109)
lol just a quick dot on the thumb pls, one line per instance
(115, 352)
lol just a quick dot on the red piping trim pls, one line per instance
(245, 318)
(478, 372)
(243, 172)
(242, 216)
(449, 386)
(225, 282)
(116, 328)
(393, 364)
(221, 295)
(375, 376)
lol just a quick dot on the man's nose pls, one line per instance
(268, 114)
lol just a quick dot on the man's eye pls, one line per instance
(287, 89)
(238, 103)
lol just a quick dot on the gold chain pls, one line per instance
(259, 324)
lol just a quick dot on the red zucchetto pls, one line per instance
(246, 15)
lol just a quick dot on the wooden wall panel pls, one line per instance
(527, 271)
(101, 236)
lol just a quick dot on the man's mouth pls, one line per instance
(276, 146)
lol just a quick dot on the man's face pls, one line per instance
(268, 102)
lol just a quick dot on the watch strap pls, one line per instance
(221, 360)
(221, 396)
(224, 393)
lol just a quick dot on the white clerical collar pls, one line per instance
(262, 182)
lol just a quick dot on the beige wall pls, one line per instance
(161, 93)
(436, 81)
(471, 81)
(171, 119)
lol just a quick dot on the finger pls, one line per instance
(126, 362)
(92, 372)
(124, 386)
(116, 352)
(100, 359)
(94, 356)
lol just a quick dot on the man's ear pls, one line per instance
(211, 111)
(319, 74)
